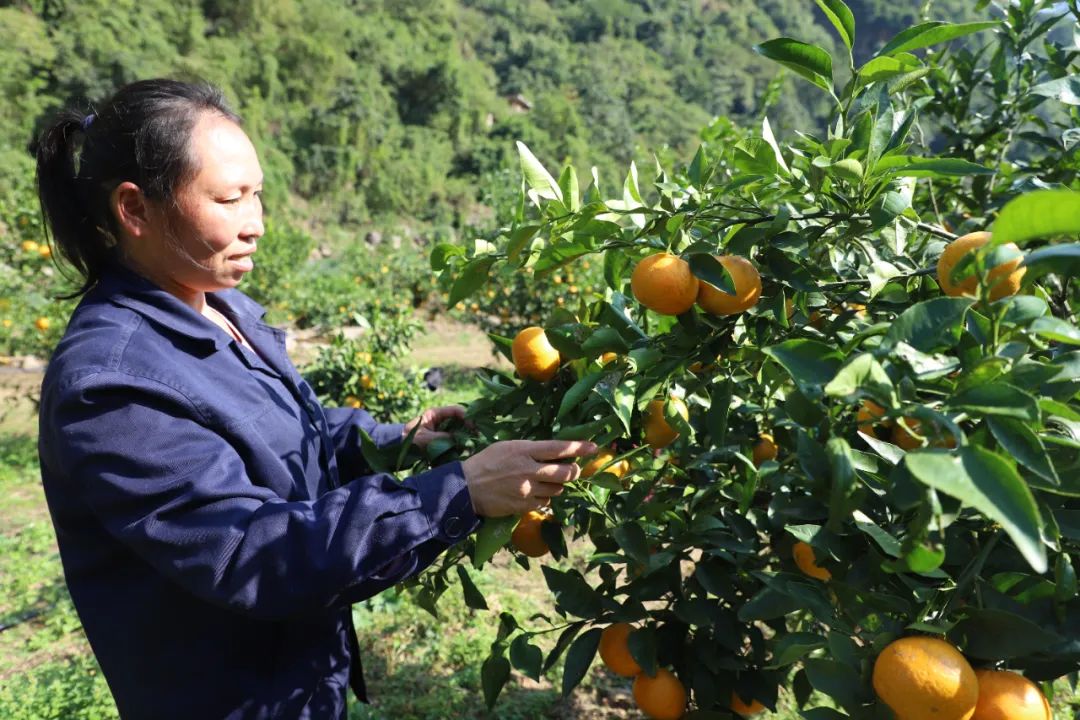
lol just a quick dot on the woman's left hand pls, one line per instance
(427, 422)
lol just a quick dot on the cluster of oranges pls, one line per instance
(661, 696)
(41, 249)
(926, 678)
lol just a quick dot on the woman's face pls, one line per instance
(205, 241)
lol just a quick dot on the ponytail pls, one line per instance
(78, 223)
(140, 135)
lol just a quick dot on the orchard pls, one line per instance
(835, 378)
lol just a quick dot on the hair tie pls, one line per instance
(87, 120)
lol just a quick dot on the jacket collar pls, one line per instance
(125, 287)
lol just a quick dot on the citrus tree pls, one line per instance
(841, 443)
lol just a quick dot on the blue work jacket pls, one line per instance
(214, 521)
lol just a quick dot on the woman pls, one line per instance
(215, 522)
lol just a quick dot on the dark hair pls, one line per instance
(141, 135)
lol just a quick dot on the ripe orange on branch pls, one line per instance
(661, 696)
(764, 449)
(747, 288)
(615, 652)
(599, 460)
(925, 678)
(741, 708)
(526, 536)
(534, 357)
(1008, 696)
(658, 434)
(1004, 279)
(869, 415)
(803, 554)
(664, 284)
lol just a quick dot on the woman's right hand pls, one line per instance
(511, 477)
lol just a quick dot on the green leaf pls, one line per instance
(526, 657)
(795, 646)
(1021, 442)
(602, 340)
(378, 459)
(768, 604)
(810, 363)
(578, 659)
(472, 278)
(809, 61)
(519, 238)
(568, 184)
(572, 593)
(844, 482)
(1057, 329)
(492, 536)
(473, 597)
(862, 373)
(997, 398)
(840, 16)
(930, 33)
(577, 393)
(632, 540)
(536, 176)
(840, 682)
(929, 325)
(565, 638)
(883, 68)
(641, 643)
(706, 267)
(992, 634)
(903, 166)
(441, 254)
(1052, 253)
(1065, 90)
(987, 482)
(1042, 213)
(493, 676)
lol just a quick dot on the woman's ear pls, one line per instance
(132, 211)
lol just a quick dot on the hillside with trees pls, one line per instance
(379, 111)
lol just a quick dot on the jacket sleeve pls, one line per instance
(345, 424)
(177, 493)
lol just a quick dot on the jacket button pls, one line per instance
(453, 527)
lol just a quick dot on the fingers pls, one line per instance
(545, 490)
(556, 473)
(559, 449)
(445, 413)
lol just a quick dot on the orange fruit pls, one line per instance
(906, 440)
(925, 678)
(29, 246)
(664, 284)
(533, 355)
(661, 697)
(526, 536)
(353, 401)
(608, 357)
(1008, 696)
(598, 462)
(868, 415)
(658, 434)
(747, 288)
(764, 449)
(805, 560)
(1003, 279)
(740, 708)
(615, 652)
(42, 323)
